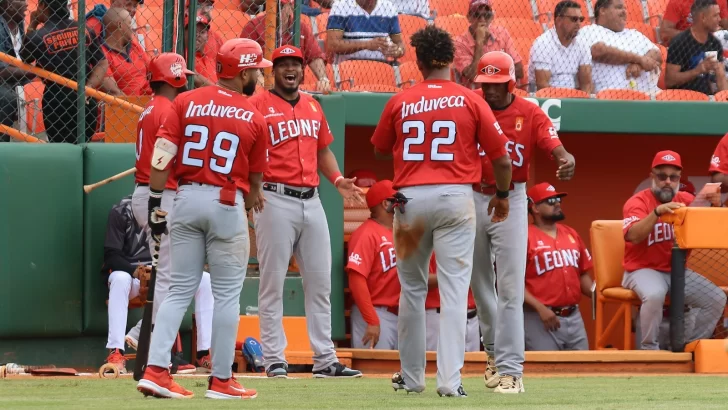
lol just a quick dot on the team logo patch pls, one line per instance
(715, 160)
(519, 123)
(355, 259)
(247, 60)
(271, 110)
(551, 188)
(490, 70)
(288, 50)
(669, 157)
(176, 69)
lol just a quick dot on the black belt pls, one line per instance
(186, 182)
(138, 184)
(563, 311)
(290, 192)
(490, 189)
(471, 313)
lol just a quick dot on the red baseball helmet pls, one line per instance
(239, 54)
(170, 68)
(497, 67)
(364, 177)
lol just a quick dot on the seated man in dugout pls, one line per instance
(126, 260)
(647, 255)
(557, 267)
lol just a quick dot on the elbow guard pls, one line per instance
(164, 153)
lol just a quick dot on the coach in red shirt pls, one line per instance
(679, 18)
(127, 59)
(557, 263)
(647, 254)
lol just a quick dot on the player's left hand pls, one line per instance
(349, 191)
(259, 203)
(371, 335)
(566, 168)
(500, 208)
(714, 199)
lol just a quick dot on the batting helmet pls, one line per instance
(239, 54)
(364, 177)
(497, 67)
(170, 68)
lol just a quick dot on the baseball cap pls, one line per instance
(542, 192)
(379, 192)
(476, 4)
(202, 18)
(364, 177)
(287, 51)
(667, 158)
(687, 186)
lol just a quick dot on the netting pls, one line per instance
(711, 264)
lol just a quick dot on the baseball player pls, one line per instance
(294, 222)
(372, 272)
(432, 130)
(216, 139)
(556, 276)
(167, 77)
(501, 317)
(647, 254)
(432, 314)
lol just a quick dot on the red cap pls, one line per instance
(687, 186)
(364, 177)
(542, 192)
(379, 192)
(202, 18)
(287, 51)
(170, 68)
(667, 158)
(476, 4)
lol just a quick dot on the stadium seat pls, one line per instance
(320, 25)
(224, 4)
(519, 92)
(520, 28)
(643, 28)
(455, 25)
(523, 46)
(635, 12)
(520, 9)
(556, 92)
(410, 74)
(721, 96)
(309, 79)
(375, 88)
(681, 95)
(617, 94)
(228, 20)
(449, 7)
(359, 72)
(655, 11)
(410, 24)
(663, 67)
(546, 11)
(607, 243)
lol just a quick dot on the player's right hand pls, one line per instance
(259, 203)
(371, 335)
(550, 321)
(499, 208)
(668, 207)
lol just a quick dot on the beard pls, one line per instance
(664, 195)
(249, 88)
(556, 217)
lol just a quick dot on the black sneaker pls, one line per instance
(336, 370)
(459, 393)
(279, 370)
(398, 383)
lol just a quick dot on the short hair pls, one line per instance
(701, 5)
(601, 4)
(57, 9)
(562, 6)
(434, 47)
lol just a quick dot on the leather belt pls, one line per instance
(308, 194)
(488, 189)
(142, 184)
(563, 311)
(186, 182)
(471, 313)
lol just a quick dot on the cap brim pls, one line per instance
(482, 78)
(188, 72)
(263, 64)
(672, 164)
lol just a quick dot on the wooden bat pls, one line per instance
(19, 135)
(91, 92)
(91, 187)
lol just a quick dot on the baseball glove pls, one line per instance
(143, 273)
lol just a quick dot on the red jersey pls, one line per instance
(224, 137)
(154, 114)
(297, 133)
(678, 12)
(719, 161)
(433, 295)
(433, 130)
(653, 252)
(129, 68)
(371, 254)
(554, 265)
(525, 125)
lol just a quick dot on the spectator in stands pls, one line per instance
(214, 40)
(647, 250)
(312, 54)
(678, 17)
(482, 37)
(253, 7)
(95, 18)
(364, 30)
(695, 57)
(54, 48)
(414, 7)
(127, 60)
(12, 79)
(205, 69)
(621, 58)
(558, 57)
(557, 269)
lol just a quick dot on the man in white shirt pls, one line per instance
(558, 58)
(621, 58)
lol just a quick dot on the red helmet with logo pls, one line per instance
(239, 54)
(497, 67)
(287, 51)
(170, 68)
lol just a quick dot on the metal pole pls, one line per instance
(180, 28)
(168, 26)
(296, 23)
(271, 17)
(81, 79)
(677, 300)
(191, 31)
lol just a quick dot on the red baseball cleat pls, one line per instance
(228, 389)
(158, 382)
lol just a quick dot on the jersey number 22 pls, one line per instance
(419, 139)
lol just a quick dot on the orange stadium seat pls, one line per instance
(150, 15)
(635, 12)
(155, 3)
(359, 72)
(321, 21)
(376, 88)
(617, 94)
(721, 96)
(450, 7)
(520, 28)
(410, 24)
(519, 92)
(521, 9)
(410, 74)
(645, 29)
(228, 20)
(681, 95)
(556, 92)
(663, 67)
(227, 35)
(309, 79)
(225, 4)
(523, 46)
(455, 25)
(655, 11)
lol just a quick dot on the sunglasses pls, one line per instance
(486, 14)
(574, 19)
(663, 177)
(552, 201)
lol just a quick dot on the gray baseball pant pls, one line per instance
(387, 329)
(570, 336)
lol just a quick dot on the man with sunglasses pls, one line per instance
(558, 57)
(556, 276)
(647, 254)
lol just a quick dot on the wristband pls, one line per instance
(656, 214)
(155, 199)
(501, 194)
(335, 178)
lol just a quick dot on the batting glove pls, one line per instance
(397, 201)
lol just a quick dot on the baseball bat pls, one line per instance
(91, 92)
(19, 135)
(145, 334)
(91, 187)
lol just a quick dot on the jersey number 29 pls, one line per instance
(448, 127)
(224, 147)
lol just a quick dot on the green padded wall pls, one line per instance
(40, 240)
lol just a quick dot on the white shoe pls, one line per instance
(491, 376)
(510, 385)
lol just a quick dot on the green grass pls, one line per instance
(622, 393)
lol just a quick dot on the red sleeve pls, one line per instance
(311, 48)
(685, 197)
(723, 9)
(585, 261)
(258, 158)
(433, 263)
(544, 131)
(489, 132)
(673, 11)
(170, 128)
(385, 135)
(325, 138)
(362, 248)
(254, 29)
(634, 210)
(719, 161)
(362, 297)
